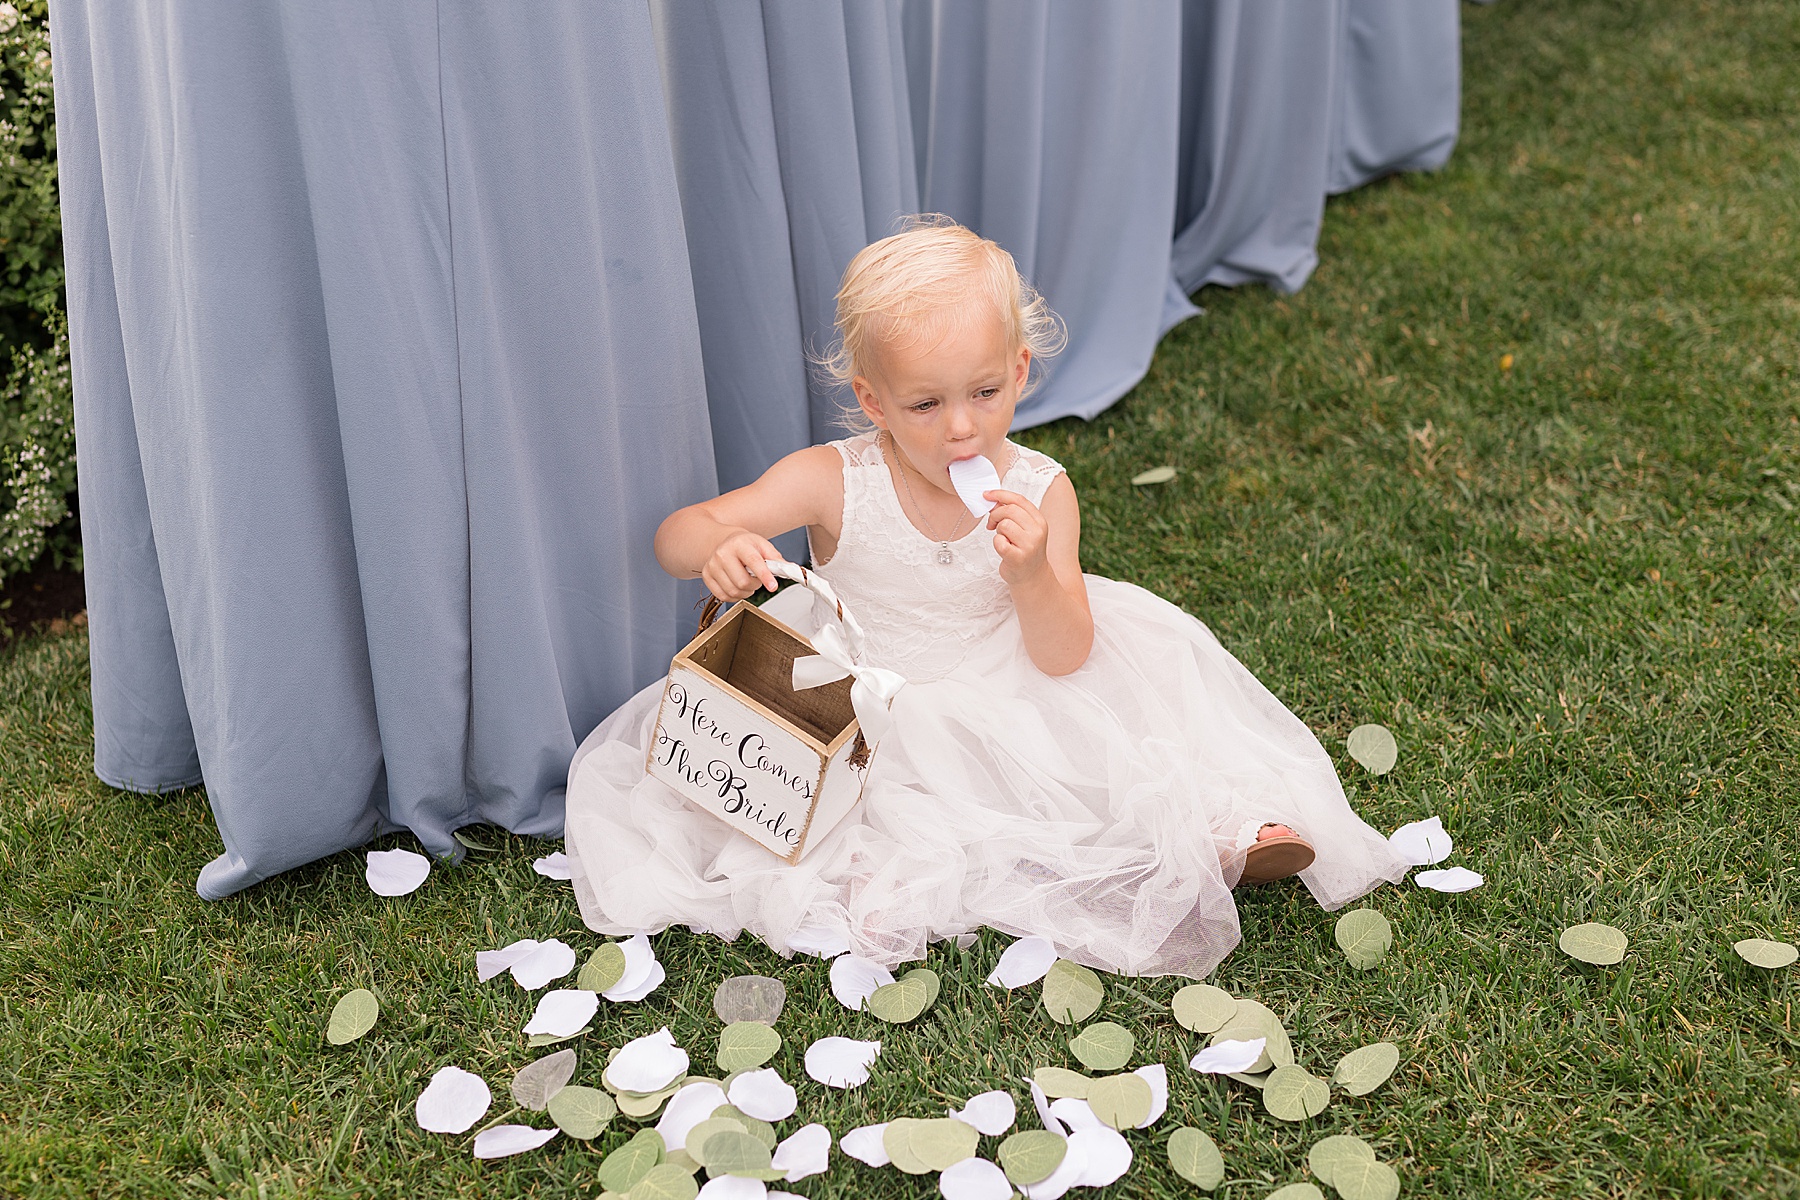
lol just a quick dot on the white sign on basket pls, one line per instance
(741, 759)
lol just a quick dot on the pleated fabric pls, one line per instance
(397, 326)
(386, 369)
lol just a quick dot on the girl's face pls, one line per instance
(947, 398)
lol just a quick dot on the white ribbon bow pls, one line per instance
(874, 688)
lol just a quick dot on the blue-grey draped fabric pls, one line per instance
(386, 369)
(399, 324)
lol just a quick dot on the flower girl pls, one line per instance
(1072, 757)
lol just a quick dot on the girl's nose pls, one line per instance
(962, 424)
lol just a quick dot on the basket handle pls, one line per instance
(795, 573)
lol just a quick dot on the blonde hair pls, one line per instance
(913, 284)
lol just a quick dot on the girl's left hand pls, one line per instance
(1021, 536)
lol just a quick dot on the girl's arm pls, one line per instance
(1040, 559)
(725, 541)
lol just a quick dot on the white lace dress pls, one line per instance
(1103, 809)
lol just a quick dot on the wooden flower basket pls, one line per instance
(735, 738)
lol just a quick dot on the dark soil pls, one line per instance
(44, 596)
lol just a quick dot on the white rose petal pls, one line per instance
(734, 1187)
(864, 1144)
(396, 872)
(991, 1112)
(806, 1151)
(452, 1102)
(554, 865)
(643, 974)
(819, 942)
(1043, 1110)
(764, 1095)
(489, 963)
(1107, 1152)
(1422, 842)
(1076, 1114)
(563, 1012)
(1227, 1057)
(1157, 1076)
(546, 961)
(686, 1109)
(504, 1140)
(648, 1064)
(841, 1062)
(974, 1179)
(854, 979)
(1450, 879)
(1025, 961)
(1068, 1174)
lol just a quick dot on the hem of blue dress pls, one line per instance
(149, 789)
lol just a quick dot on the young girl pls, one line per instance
(1072, 757)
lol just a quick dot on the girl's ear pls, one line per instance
(1023, 370)
(868, 402)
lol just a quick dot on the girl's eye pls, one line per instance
(988, 393)
(924, 406)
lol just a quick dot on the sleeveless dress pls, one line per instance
(1106, 810)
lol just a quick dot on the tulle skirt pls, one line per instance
(1105, 810)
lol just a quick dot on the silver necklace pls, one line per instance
(944, 554)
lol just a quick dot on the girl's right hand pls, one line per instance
(739, 565)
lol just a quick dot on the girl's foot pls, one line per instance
(1277, 853)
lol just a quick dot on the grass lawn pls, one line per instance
(1570, 588)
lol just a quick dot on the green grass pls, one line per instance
(1571, 588)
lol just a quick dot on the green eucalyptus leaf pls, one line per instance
(1363, 1070)
(1203, 1008)
(1072, 993)
(762, 1131)
(640, 1106)
(1771, 956)
(665, 1181)
(582, 1112)
(1122, 1101)
(1154, 475)
(537, 1081)
(603, 969)
(1364, 936)
(905, 998)
(550, 1039)
(1103, 1046)
(1258, 1081)
(1032, 1156)
(1373, 746)
(942, 1143)
(1371, 1180)
(696, 1137)
(622, 1169)
(746, 1045)
(750, 998)
(1328, 1154)
(683, 1159)
(1057, 1082)
(897, 1140)
(734, 1152)
(353, 1015)
(1601, 945)
(1196, 1158)
(1294, 1094)
(1296, 1191)
(1280, 1050)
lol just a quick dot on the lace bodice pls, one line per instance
(921, 615)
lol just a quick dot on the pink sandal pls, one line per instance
(1275, 858)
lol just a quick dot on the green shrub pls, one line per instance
(37, 429)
